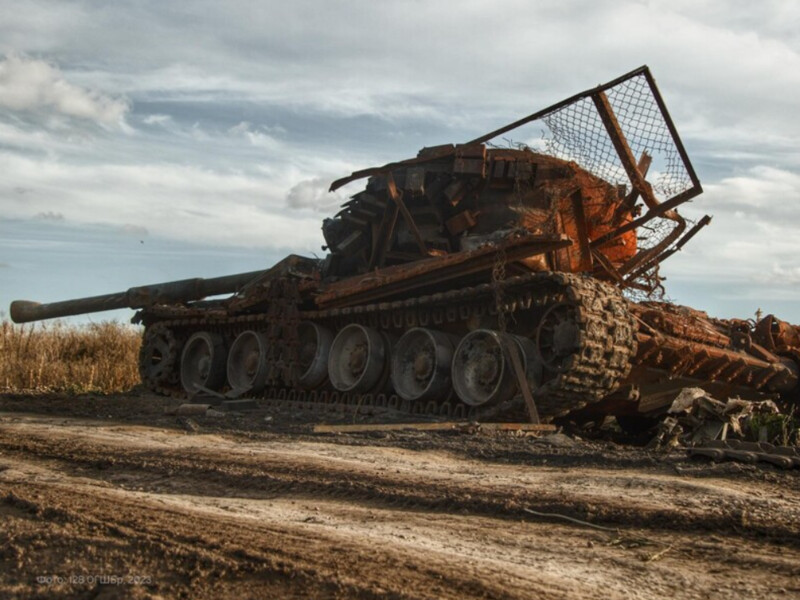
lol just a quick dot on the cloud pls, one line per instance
(256, 136)
(210, 162)
(156, 119)
(753, 238)
(134, 230)
(313, 193)
(765, 189)
(180, 202)
(30, 85)
(49, 216)
(786, 275)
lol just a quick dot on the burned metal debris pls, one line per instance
(476, 281)
(734, 429)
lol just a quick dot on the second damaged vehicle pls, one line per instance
(476, 281)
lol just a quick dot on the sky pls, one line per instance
(146, 141)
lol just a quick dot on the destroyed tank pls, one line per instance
(475, 281)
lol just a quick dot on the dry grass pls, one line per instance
(56, 357)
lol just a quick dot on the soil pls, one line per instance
(109, 497)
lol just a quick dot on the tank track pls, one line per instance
(607, 345)
(605, 340)
(785, 457)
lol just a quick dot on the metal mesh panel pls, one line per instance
(605, 131)
(577, 133)
(611, 127)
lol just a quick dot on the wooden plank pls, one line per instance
(522, 381)
(447, 426)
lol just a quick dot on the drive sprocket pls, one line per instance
(159, 359)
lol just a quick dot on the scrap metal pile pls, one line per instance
(477, 281)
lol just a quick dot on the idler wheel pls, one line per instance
(203, 362)
(247, 362)
(558, 336)
(421, 364)
(357, 359)
(314, 350)
(482, 371)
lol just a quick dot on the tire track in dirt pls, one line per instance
(323, 548)
(211, 517)
(168, 461)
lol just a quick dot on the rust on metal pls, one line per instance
(427, 272)
(558, 248)
(623, 150)
(628, 204)
(582, 230)
(397, 198)
(656, 258)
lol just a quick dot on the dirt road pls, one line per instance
(107, 508)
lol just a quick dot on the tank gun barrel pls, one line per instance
(185, 290)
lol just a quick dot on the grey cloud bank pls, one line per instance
(34, 86)
(219, 125)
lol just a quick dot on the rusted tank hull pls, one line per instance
(580, 341)
(476, 279)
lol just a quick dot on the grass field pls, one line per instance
(56, 357)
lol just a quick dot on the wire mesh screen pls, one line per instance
(577, 133)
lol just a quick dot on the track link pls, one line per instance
(785, 457)
(607, 343)
(604, 336)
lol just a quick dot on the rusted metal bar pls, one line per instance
(522, 381)
(626, 206)
(696, 188)
(382, 241)
(397, 198)
(607, 266)
(426, 272)
(693, 231)
(648, 216)
(665, 255)
(648, 256)
(732, 364)
(624, 151)
(583, 230)
(559, 105)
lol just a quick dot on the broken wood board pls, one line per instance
(451, 425)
